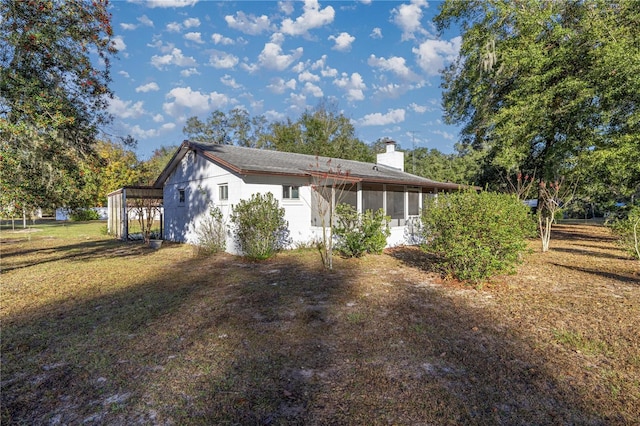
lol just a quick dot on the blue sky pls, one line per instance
(377, 60)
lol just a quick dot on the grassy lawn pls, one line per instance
(103, 332)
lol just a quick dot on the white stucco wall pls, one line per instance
(201, 178)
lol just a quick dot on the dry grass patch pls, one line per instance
(103, 332)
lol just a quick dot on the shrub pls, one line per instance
(476, 235)
(360, 233)
(259, 226)
(627, 228)
(211, 234)
(81, 215)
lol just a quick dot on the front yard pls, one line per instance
(101, 332)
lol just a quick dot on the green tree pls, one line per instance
(433, 164)
(234, 128)
(53, 97)
(546, 86)
(321, 131)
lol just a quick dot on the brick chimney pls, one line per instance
(391, 158)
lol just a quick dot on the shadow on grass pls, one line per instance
(573, 232)
(225, 341)
(88, 250)
(589, 253)
(621, 277)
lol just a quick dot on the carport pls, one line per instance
(133, 205)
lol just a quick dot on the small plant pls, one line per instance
(476, 235)
(82, 215)
(360, 233)
(628, 230)
(259, 226)
(210, 235)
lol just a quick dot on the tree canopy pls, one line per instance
(320, 131)
(550, 87)
(53, 96)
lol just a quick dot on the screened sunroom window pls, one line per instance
(372, 197)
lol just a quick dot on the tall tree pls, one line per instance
(320, 131)
(544, 86)
(234, 128)
(53, 97)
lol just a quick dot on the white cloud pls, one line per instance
(272, 115)
(325, 71)
(393, 116)
(223, 60)
(183, 98)
(279, 86)
(163, 48)
(220, 39)
(169, 3)
(144, 20)
(353, 86)
(391, 90)
(174, 58)
(128, 27)
(298, 102)
(408, 17)
(149, 87)
(445, 135)
(420, 109)
(313, 90)
(124, 74)
(191, 23)
(376, 33)
(308, 76)
(229, 81)
(125, 109)
(158, 118)
(396, 65)
(189, 72)
(431, 55)
(248, 24)
(285, 7)
(139, 133)
(343, 42)
(167, 127)
(312, 17)
(272, 57)
(118, 43)
(174, 27)
(195, 37)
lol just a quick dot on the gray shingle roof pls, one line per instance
(260, 161)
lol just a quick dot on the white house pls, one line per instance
(200, 175)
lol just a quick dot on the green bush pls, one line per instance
(360, 233)
(627, 228)
(211, 234)
(259, 226)
(476, 235)
(81, 215)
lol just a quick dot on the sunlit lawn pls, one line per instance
(105, 332)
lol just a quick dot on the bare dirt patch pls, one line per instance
(163, 337)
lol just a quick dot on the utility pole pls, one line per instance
(413, 151)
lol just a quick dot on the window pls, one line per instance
(290, 192)
(181, 196)
(372, 197)
(395, 202)
(414, 203)
(223, 192)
